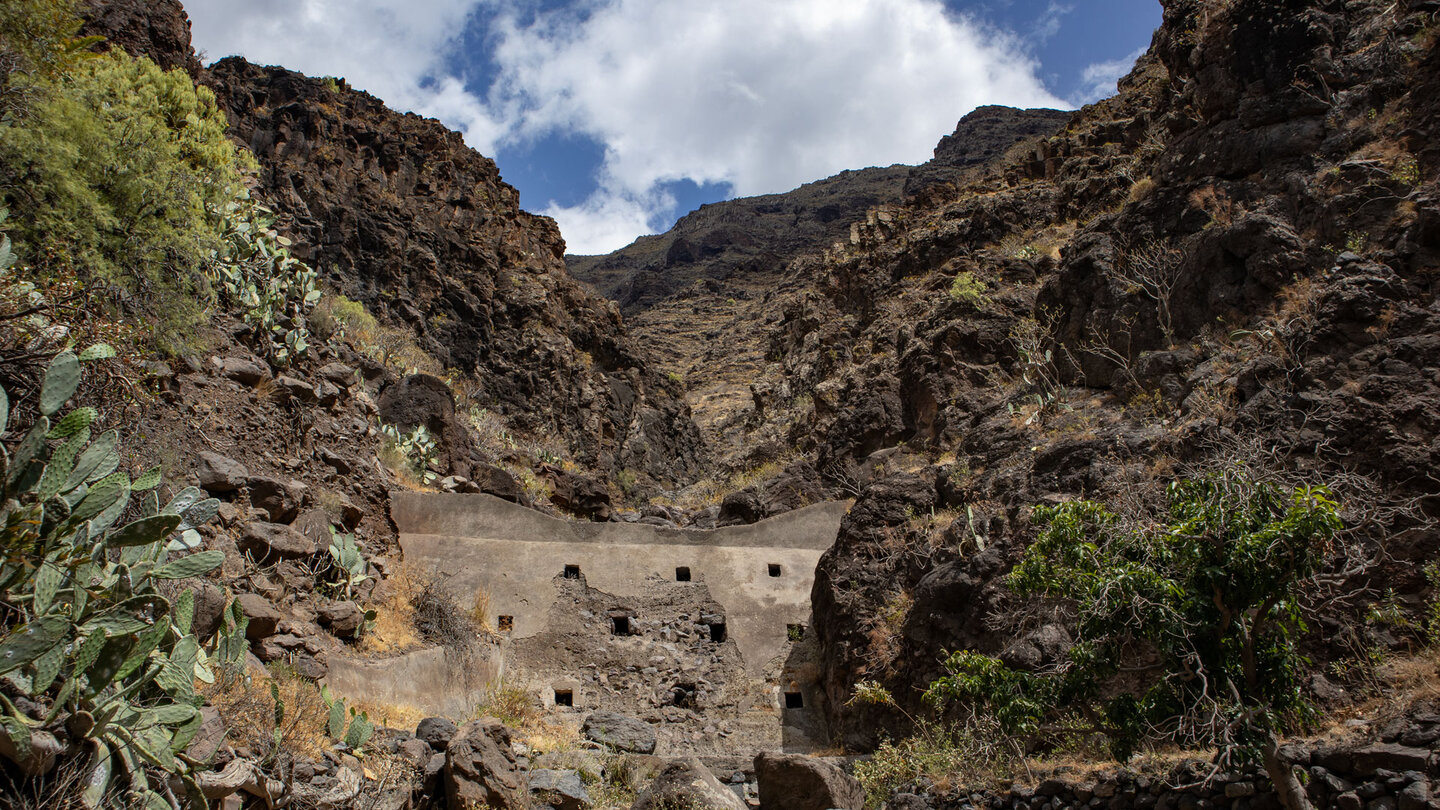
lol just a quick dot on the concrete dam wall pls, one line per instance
(761, 573)
(699, 632)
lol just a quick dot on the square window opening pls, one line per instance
(794, 700)
(620, 626)
(717, 632)
(774, 569)
(564, 697)
(572, 572)
(683, 696)
(506, 623)
(682, 574)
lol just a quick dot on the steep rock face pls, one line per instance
(159, 29)
(399, 214)
(1001, 346)
(702, 295)
(747, 242)
(983, 135)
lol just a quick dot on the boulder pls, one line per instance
(798, 782)
(271, 541)
(245, 372)
(343, 618)
(1043, 647)
(415, 752)
(619, 732)
(335, 461)
(437, 732)
(210, 600)
(562, 790)
(337, 373)
(480, 768)
(421, 399)
(687, 783)
(279, 647)
(279, 499)
(220, 473)
(1391, 757)
(495, 481)
(209, 738)
(299, 389)
(327, 394)
(264, 618)
(579, 494)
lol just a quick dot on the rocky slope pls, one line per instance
(698, 295)
(1231, 261)
(744, 244)
(405, 218)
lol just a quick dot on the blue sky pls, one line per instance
(618, 116)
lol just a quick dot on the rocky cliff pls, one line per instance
(405, 218)
(401, 216)
(703, 295)
(1231, 261)
(745, 244)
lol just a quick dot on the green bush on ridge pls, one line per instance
(118, 173)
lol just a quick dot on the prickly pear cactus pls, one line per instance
(88, 637)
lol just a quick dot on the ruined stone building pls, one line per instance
(700, 632)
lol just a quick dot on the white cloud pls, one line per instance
(1050, 22)
(761, 94)
(607, 220)
(1099, 79)
(386, 47)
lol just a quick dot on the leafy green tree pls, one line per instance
(37, 41)
(1199, 612)
(121, 173)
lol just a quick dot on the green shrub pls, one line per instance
(85, 633)
(968, 289)
(1210, 591)
(120, 173)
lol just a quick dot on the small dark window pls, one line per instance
(683, 696)
(564, 697)
(774, 569)
(795, 632)
(620, 625)
(794, 700)
(572, 572)
(507, 623)
(717, 632)
(682, 574)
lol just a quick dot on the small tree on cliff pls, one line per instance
(1203, 604)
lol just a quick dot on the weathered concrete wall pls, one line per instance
(435, 680)
(515, 555)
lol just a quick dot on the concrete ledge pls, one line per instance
(485, 516)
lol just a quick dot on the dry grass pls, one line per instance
(480, 611)
(394, 630)
(520, 709)
(886, 632)
(248, 708)
(1403, 682)
(709, 492)
(335, 315)
(1141, 189)
(390, 715)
